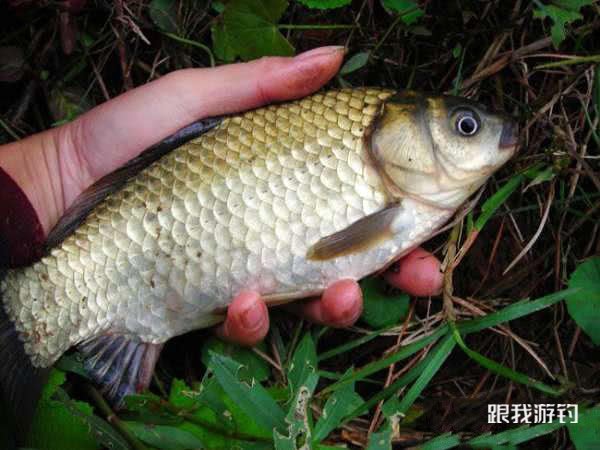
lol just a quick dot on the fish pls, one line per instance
(283, 200)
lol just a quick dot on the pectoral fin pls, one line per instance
(362, 235)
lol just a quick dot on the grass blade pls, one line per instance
(393, 388)
(501, 370)
(512, 312)
(442, 442)
(490, 206)
(402, 353)
(439, 355)
(352, 344)
(514, 436)
(303, 364)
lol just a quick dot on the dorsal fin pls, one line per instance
(112, 182)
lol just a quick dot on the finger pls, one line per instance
(339, 306)
(247, 321)
(118, 130)
(418, 273)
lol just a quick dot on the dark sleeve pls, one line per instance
(20, 227)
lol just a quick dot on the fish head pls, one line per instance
(439, 149)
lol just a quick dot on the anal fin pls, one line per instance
(120, 365)
(362, 235)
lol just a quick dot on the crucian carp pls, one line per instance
(283, 200)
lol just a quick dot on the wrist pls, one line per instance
(32, 166)
(20, 227)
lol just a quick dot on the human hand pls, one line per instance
(55, 166)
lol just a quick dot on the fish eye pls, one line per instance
(467, 122)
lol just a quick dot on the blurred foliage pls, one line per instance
(584, 305)
(55, 427)
(561, 13)
(248, 29)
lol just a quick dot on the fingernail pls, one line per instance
(252, 318)
(320, 51)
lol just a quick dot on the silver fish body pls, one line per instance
(283, 200)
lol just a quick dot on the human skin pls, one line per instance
(55, 166)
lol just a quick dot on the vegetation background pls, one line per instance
(411, 373)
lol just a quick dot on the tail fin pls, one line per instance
(20, 383)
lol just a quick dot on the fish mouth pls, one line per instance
(510, 135)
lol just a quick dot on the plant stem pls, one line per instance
(9, 130)
(391, 28)
(194, 44)
(114, 420)
(285, 26)
(571, 62)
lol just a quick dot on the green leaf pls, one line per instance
(584, 305)
(54, 426)
(73, 363)
(561, 13)
(104, 434)
(544, 175)
(253, 365)
(214, 418)
(457, 50)
(251, 397)
(223, 44)
(164, 15)
(164, 437)
(355, 62)
(382, 439)
(298, 418)
(585, 434)
(325, 4)
(248, 29)
(381, 310)
(218, 6)
(303, 363)
(408, 8)
(341, 403)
